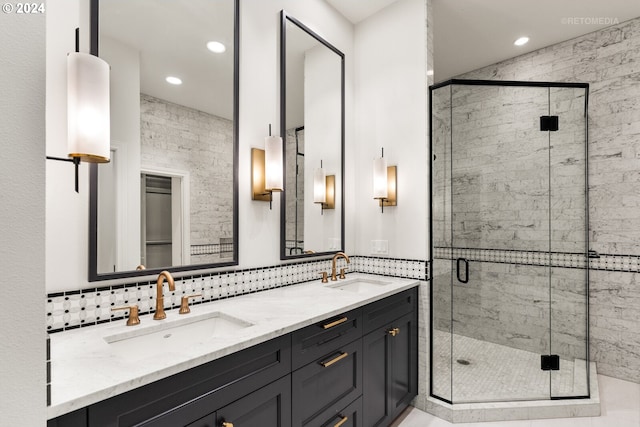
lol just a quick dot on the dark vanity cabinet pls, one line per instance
(328, 378)
(356, 369)
(389, 371)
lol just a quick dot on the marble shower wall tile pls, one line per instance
(609, 60)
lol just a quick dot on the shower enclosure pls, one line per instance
(509, 241)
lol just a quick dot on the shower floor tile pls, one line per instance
(486, 372)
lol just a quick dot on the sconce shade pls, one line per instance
(319, 186)
(380, 178)
(88, 112)
(331, 193)
(273, 163)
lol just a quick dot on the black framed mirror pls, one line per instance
(168, 200)
(312, 123)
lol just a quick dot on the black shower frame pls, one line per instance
(507, 83)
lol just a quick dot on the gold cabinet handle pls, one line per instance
(393, 332)
(226, 424)
(334, 323)
(342, 421)
(334, 360)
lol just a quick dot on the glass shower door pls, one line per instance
(500, 243)
(509, 239)
(569, 243)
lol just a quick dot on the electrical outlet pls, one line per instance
(334, 244)
(380, 247)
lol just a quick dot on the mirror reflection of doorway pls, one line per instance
(157, 244)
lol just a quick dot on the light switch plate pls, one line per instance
(334, 244)
(380, 247)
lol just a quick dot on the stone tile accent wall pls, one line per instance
(181, 138)
(88, 307)
(609, 60)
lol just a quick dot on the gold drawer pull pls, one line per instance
(342, 421)
(393, 332)
(334, 360)
(335, 323)
(226, 424)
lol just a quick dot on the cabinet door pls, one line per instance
(389, 370)
(403, 368)
(269, 406)
(375, 378)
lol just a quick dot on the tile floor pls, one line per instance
(620, 402)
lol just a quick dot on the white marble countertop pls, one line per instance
(85, 369)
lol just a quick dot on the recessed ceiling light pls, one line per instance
(216, 47)
(173, 80)
(521, 41)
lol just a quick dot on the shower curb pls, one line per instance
(517, 410)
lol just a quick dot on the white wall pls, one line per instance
(67, 213)
(125, 139)
(259, 106)
(322, 134)
(391, 112)
(22, 132)
(259, 227)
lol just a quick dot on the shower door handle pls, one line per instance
(466, 270)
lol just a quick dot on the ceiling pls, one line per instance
(470, 34)
(170, 40)
(359, 10)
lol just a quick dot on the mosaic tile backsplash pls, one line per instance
(87, 307)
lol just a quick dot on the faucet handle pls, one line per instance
(342, 276)
(325, 277)
(184, 303)
(133, 318)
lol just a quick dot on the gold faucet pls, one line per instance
(160, 314)
(333, 265)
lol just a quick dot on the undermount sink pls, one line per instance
(142, 342)
(358, 285)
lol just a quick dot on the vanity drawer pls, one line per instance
(192, 394)
(315, 341)
(351, 416)
(332, 381)
(389, 309)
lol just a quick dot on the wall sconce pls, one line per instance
(267, 169)
(88, 110)
(384, 182)
(324, 189)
